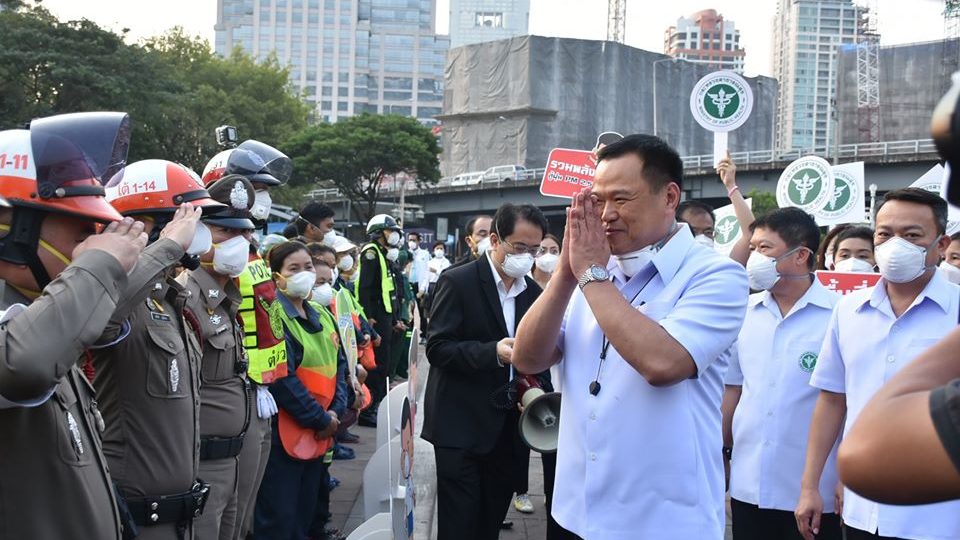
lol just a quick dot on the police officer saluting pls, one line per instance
(376, 291)
(225, 395)
(55, 478)
(148, 371)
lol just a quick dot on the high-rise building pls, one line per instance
(807, 37)
(476, 21)
(345, 56)
(706, 38)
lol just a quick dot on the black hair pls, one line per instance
(861, 232)
(955, 236)
(413, 233)
(660, 163)
(473, 222)
(290, 230)
(696, 207)
(505, 220)
(317, 249)
(439, 243)
(312, 213)
(280, 252)
(921, 196)
(554, 238)
(828, 243)
(794, 226)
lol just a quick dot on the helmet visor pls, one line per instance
(254, 158)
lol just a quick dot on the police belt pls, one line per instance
(220, 447)
(180, 508)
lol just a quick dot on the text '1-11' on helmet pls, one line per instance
(260, 163)
(57, 167)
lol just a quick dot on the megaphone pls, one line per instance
(540, 421)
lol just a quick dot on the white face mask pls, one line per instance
(483, 246)
(393, 254)
(828, 261)
(900, 261)
(517, 266)
(548, 262)
(853, 265)
(330, 238)
(950, 272)
(704, 240)
(336, 274)
(202, 240)
(346, 263)
(300, 284)
(261, 205)
(230, 257)
(762, 270)
(413, 245)
(439, 253)
(323, 294)
(393, 239)
(631, 263)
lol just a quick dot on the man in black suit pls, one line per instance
(469, 414)
(477, 238)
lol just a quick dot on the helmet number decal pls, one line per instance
(16, 162)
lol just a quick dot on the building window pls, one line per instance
(489, 19)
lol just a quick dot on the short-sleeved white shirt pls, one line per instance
(637, 461)
(773, 359)
(866, 345)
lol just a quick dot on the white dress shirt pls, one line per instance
(508, 299)
(866, 345)
(418, 270)
(434, 267)
(637, 461)
(773, 360)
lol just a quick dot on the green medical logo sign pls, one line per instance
(721, 101)
(807, 184)
(844, 197)
(726, 231)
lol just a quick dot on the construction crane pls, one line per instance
(868, 73)
(617, 20)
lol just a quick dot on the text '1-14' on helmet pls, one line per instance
(382, 222)
(57, 166)
(260, 163)
(156, 186)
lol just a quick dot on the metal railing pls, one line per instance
(879, 151)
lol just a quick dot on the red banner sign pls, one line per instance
(567, 172)
(847, 282)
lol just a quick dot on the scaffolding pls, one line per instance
(617, 20)
(868, 73)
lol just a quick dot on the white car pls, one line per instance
(467, 179)
(501, 173)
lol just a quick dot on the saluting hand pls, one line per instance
(588, 243)
(124, 240)
(182, 227)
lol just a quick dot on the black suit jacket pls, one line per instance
(466, 323)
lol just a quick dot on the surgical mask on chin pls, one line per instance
(393, 254)
(202, 241)
(300, 284)
(483, 246)
(631, 263)
(517, 266)
(548, 262)
(230, 257)
(901, 261)
(393, 239)
(853, 265)
(950, 272)
(323, 294)
(261, 205)
(346, 263)
(704, 240)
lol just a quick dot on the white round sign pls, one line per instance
(721, 101)
(844, 196)
(807, 184)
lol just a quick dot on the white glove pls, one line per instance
(266, 405)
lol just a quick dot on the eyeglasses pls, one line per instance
(523, 249)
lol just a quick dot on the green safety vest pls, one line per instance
(386, 277)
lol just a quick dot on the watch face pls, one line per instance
(599, 272)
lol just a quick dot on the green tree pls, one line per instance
(763, 202)
(357, 153)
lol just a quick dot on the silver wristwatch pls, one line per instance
(594, 273)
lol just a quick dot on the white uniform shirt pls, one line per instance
(773, 360)
(434, 267)
(418, 268)
(637, 461)
(865, 346)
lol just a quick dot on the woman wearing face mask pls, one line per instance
(308, 400)
(854, 250)
(825, 253)
(950, 267)
(437, 264)
(546, 262)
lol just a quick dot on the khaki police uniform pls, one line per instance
(225, 398)
(55, 481)
(148, 385)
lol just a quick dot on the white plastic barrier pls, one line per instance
(379, 527)
(377, 483)
(388, 422)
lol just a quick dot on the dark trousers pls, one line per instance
(288, 495)
(521, 465)
(474, 490)
(857, 534)
(321, 512)
(422, 305)
(377, 379)
(751, 522)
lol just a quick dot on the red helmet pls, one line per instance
(156, 186)
(259, 163)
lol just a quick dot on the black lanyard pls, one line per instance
(605, 343)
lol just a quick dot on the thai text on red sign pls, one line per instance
(567, 172)
(847, 282)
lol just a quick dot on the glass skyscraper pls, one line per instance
(476, 21)
(345, 56)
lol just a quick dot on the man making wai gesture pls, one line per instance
(642, 314)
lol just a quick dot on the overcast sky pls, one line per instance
(900, 21)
